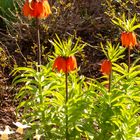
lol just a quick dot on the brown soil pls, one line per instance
(7, 107)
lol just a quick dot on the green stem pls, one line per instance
(42, 111)
(66, 76)
(38, 43)
(128, 59)
(110, 80)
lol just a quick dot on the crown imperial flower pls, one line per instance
(106, 67)
(37, 8)
(65, 64)
(128, 39)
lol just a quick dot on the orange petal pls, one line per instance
(71, 63)
(46, 9)
(26, 9)
(106, 67)
(134, 40)
(37, 9)
(60, 64)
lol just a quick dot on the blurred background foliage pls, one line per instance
(88, 19)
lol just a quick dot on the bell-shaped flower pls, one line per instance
(106, 67)
(37, 8)
(65, 64)
(128, 39)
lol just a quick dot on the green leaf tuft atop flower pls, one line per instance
(67, 47)
(125, 24)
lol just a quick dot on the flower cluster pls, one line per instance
(128, 39)
(106, 67)
(65, 64)
(37, 8)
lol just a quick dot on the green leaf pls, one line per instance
(136, 98)
(135, 27)
(133, 21)
(117, 98)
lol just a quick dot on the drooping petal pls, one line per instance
(46, 9)
(134, 40)
(106, 67)
(128, 39)
(26, 9)
(65, 64)
(60, 64)
(37, 9)
(71, 63)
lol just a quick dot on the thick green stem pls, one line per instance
(38, 43)
(128, 59)
(110, 80)
(66, 76)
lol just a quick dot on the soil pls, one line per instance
(7, 107)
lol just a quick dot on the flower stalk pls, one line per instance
(39, 10)
(66, 78)
(110, 80)
(129, 59)
(129, 41)
(38, 43)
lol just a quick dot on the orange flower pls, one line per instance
(106, 67)
(71, 63)
(128, 39)
(60, 64)
(37, 8)
(65, 65)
